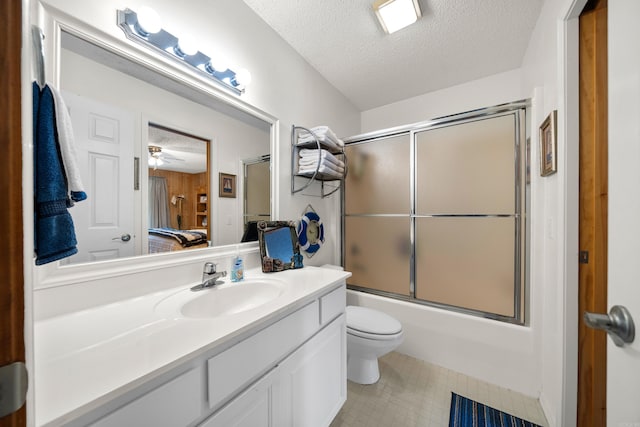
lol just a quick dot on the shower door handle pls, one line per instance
(618, 324)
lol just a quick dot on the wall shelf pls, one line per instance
(201, 209)
(300, 181)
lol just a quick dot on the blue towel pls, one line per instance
(55, 237)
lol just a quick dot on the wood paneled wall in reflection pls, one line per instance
(188, 185)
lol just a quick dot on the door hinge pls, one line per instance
(13, 387)
(583, 257)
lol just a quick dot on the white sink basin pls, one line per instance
(223, 300)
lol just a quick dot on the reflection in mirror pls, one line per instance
(257, 195)
(178, 190)
(279, 247)
(111, 119)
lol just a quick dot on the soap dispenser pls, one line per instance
(237, 271)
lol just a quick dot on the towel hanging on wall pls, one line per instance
(55, 236)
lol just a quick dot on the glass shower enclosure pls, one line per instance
(434, 213)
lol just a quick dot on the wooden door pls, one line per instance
(592, 360)
(11, 246)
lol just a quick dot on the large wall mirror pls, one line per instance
(137, 125)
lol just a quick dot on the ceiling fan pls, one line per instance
(157, 157)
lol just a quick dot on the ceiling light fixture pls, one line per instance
(145, 28)
(396, 14)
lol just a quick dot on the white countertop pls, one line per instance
(87, 358)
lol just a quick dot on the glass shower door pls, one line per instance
(378, 214)
(467, 216)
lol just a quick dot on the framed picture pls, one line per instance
(548, 149)
(227, 184)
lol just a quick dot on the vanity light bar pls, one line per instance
(169, 45)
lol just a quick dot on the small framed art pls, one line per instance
(227, 185)
(548, 148)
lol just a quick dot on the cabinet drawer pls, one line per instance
(333, 304)
(252, 408)
(236, 367)
(176, 403)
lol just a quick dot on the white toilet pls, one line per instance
(370, 334)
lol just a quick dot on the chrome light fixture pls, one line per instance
(145, 28)
(394, 15)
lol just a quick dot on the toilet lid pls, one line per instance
(371, 321)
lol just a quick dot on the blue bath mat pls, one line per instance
(469, 413)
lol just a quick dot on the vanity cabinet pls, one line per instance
(252, 408)
(311, 386)
(289, 373)
(306, 388)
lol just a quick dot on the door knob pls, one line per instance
(618, 324)
(125, 238)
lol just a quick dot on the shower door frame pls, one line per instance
(521, 110)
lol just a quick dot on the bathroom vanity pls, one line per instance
(269, 351)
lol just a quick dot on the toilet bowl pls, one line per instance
(370, 335)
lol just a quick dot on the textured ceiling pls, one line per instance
(455, 41)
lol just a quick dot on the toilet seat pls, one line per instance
(371, 324)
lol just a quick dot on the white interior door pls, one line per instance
(623, 363)
(104, 138)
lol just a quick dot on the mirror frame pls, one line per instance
(54, 22)
(272, 265)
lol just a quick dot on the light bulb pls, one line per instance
(243, 77)
(186, 47)
(155, 162)
(149, 21)
(219, 63)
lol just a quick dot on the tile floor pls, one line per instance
(413, 393)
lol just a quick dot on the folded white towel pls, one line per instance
(323, 163)
(323, 169)
(309, 162)
(68, 147)
(308, 156)
(327, 165)
(323, 134)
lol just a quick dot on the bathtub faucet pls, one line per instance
(209, 277)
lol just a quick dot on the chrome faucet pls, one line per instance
(209, 277)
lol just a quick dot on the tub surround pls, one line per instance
(495, 352)
(89, 362)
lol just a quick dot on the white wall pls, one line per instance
(550, 68)
(492, 90)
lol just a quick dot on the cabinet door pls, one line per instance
(252, 408)
(312, 383)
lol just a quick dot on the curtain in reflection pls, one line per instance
(158, 202)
